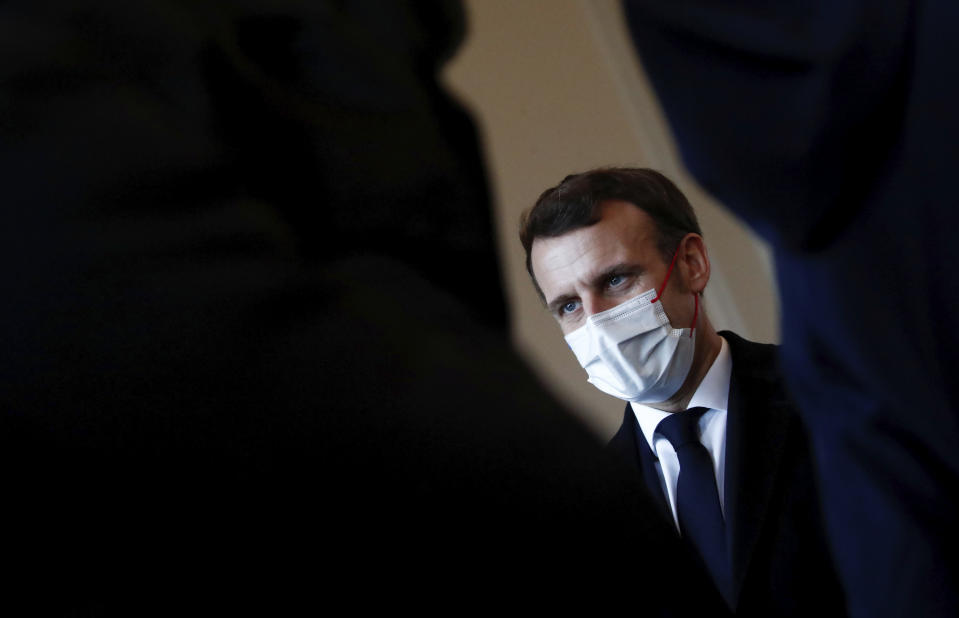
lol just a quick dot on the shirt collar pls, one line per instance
(713, 393)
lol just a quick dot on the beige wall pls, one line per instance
(555, 88)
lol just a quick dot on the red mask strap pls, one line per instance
(659, 292)
(695, 314)
(669, 271)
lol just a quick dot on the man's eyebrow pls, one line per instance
(558, 302)
(598, 280)
(616, 269)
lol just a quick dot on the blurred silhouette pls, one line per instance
(254, 353)
(831, 128)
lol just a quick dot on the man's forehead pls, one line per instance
(586, 245)
(624, 233)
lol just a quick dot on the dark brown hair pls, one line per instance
(574, 203)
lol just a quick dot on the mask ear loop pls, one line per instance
(669, 271)
(659, 292)
(695, 314)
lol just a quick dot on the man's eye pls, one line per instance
(568, 307)
(616, 280)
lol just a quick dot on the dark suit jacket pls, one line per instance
(779, 560)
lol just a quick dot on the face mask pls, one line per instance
(632, 351)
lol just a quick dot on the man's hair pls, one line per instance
(574, 203)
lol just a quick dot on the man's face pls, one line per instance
(595, 268)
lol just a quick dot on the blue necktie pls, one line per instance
(697, 499)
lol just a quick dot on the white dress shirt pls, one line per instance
(713, 393)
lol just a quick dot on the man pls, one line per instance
(619, 259)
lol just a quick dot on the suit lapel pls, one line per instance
(758, 424)
(630, 444)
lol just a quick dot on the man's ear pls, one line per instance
(694, 262)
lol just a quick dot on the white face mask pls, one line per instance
(632, 351)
